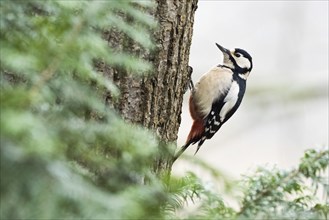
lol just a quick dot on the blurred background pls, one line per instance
(285, 108)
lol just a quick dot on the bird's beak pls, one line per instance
(224, 50)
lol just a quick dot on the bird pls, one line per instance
(217, 96)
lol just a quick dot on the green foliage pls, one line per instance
(288, 194)
(65, 154)
(266, 193)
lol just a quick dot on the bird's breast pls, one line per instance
(212, 85)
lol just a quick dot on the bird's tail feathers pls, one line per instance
(183, 148)
(194, 136)
(200, 143)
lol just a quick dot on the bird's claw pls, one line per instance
(190, 71)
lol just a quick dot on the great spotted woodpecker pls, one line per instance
(217, 95)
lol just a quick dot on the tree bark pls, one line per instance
(155, 101)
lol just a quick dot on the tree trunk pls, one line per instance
(155, 101)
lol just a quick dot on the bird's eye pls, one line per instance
(237, 55)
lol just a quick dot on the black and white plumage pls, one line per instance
(217, 96)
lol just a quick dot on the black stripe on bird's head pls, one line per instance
(242, 60)
(237, 59)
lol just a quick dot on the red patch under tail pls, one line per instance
(194, 136)
(196, 132)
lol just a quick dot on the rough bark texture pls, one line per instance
(155, 101)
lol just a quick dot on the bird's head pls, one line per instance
(237, 59)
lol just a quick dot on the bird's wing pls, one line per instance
(222, 109)
(214, 119)
(212, 98)
(215, 86)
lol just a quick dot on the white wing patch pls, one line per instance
(244, 76)
(230, 100)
